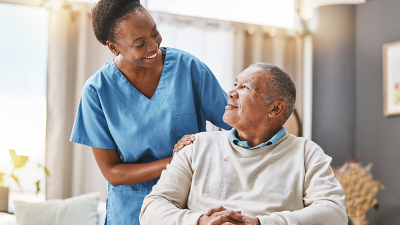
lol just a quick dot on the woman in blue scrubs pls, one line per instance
(135, 108)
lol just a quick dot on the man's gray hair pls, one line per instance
(280, 87)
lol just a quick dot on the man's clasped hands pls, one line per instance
(223, 216)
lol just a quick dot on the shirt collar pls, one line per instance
(243, 144)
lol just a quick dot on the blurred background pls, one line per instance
(332, 48)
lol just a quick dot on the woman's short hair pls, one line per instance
(107, 14)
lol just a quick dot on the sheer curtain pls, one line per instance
(278, 46)
(229, 47)
(74, 55)
(211, 41)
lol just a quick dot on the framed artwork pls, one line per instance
(391, 79)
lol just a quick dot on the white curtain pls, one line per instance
(278, 46)
(74, 55)
(211, 41)
(229, 47)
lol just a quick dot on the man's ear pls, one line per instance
(277, 108)
(112, 47)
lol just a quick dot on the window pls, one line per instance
(263, 12)
(23, 58)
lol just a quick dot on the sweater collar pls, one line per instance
(244, 144)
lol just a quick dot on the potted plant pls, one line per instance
(360, 190)
(18, 162)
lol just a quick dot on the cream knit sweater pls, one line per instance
(290, 182)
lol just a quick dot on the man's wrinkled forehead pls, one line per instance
(253, 76)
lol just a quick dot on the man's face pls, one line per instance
(245, 108)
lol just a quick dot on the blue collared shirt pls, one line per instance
(243, 144)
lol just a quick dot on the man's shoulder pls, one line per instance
(209, 147)
(210, 140)
(309, 145)
(304, 144)
(213, 135)
(311, 149)
(290, 139)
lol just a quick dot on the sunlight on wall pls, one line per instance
(23, 127)
(23, 51)
(23, 61)
(264, 12)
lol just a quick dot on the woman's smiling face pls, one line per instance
(138, 39)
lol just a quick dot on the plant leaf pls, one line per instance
(37, 187)
(18, 160)
(16, 180)
(2, 179)
(48, 174)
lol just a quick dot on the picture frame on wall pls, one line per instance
(391, 79)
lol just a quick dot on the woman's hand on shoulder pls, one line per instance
(185, 140)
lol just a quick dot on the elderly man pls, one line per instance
(255, 173)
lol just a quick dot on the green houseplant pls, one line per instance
(18, 162)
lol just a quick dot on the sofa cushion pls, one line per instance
(79, 210)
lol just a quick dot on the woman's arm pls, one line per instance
(117, 173)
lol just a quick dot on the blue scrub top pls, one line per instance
(113, 114)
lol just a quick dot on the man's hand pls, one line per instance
(220, 215)
(246, 221)
(185, 140)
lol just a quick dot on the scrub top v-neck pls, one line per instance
(113, 114)
(160, 85)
